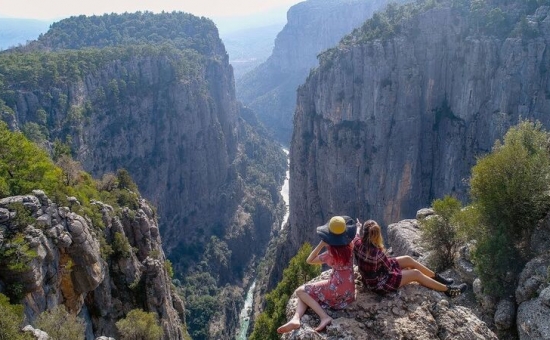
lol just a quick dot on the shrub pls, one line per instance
(139, 325)
(297, 273)
(61, 325)
(16, 254)
(121, 246)
(169, 268)
(439, 233)
(509, 188)
(23, 216)
(200, 310)
(125, 180)
(11, 319)
(24, 166)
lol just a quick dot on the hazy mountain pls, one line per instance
(18, 31)
(250, 47)
(232, 24)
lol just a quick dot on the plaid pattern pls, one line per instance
(378, 272)
(338, 291)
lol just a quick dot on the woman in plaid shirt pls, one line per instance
(383, 274)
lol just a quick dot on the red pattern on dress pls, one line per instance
(339, 290)
(379, 273)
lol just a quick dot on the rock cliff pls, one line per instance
(68, 264)
(154, 94)
(312, 26)
(395, 116)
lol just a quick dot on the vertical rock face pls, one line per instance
(312, 27)
(161, 105)
(384, 126)
(167, 113)
(68, 267)
(175, 136)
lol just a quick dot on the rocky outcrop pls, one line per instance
(64, 263)
(312, 26)
(528, 310)
(414, 312)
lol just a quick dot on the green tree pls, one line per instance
(16, 254)
(24, 166)
(121, 245)
(60, 324)
(509, 188)
(139, 325)
(297, 273)
(61, 149)
(11, 319)
(439, 233)
(125, 180)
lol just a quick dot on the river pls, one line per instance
(244, 317)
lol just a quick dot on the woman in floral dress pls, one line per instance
(339, 290)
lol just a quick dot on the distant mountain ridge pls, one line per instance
(16, 32)
(183, 30)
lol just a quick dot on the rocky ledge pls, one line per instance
(414, 312)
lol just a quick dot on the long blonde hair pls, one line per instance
(372, 233)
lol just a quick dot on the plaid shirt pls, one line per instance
(378, 271)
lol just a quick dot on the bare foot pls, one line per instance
(289, 326)
(324, 323)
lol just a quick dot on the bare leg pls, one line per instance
(415, 275)
(305, 300)
(409, 262)
(294, 323)
(308, 300)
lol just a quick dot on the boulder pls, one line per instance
(404, 238)
(533, 297)
(505, 314)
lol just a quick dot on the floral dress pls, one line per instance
(339, 290)
(379, 272)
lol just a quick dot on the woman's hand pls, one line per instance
(359, 227)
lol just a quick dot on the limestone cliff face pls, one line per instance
(165, 111)
(384, 126)
(312, 26)
(176, 136)
(71, 268)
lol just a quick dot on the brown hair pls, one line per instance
(372, 233)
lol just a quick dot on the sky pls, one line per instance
(54, 10)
